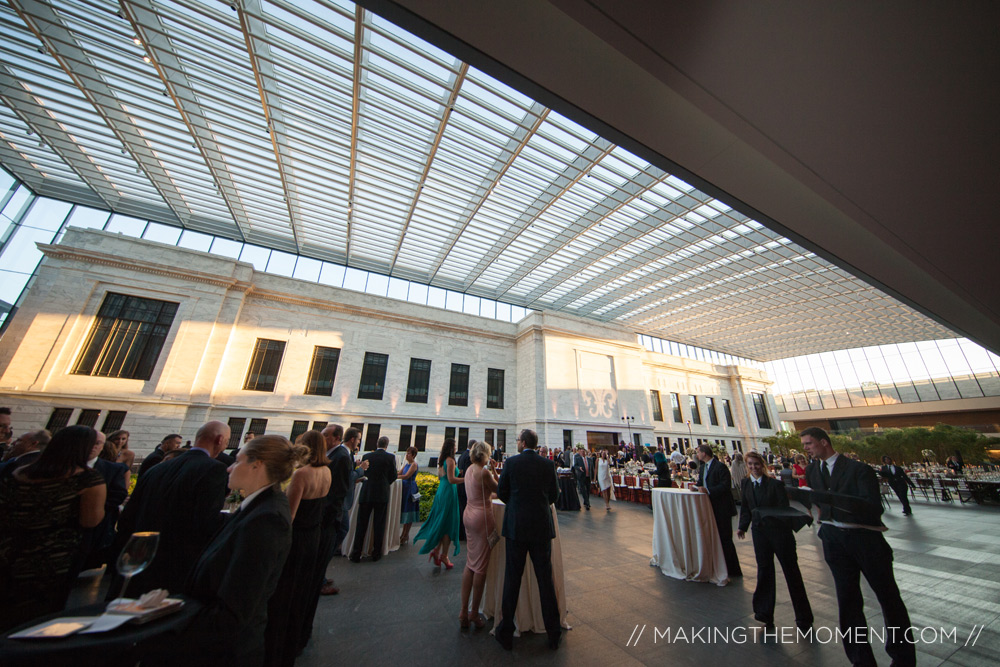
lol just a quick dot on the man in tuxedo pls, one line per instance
(850, 511)
(182, 500)
(340, 452)
(898, 481)
(528, 486)
(374, 500)
(581, 468)
(344, 527)
(97, 541)
(772, 537)
(24, 450)
(168, 444)
(715, 480)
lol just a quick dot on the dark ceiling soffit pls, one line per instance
(445, 40)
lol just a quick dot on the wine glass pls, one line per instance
(136, 557)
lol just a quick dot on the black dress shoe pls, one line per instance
(355, 559)
(506, 642)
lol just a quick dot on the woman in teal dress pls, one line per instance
(441, 528)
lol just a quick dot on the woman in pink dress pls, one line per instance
(480, 484)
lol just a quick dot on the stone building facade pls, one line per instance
(116, 331)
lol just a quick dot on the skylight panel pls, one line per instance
(331, 22)
(499, 88)
(493, 101)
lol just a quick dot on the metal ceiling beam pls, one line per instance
(155, 38)
(449, 104)
(59, 141)
(60, 42)
(259, 51)
(359, 55)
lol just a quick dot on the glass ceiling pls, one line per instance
(317, 128)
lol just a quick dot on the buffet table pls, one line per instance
(393, 529)
(686, 542)
(568, 501)
(528, 617)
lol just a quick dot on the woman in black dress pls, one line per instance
(289, 618)
(44, 507)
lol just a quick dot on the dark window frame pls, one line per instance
(127, 337)
(418, 382)
(236, 426)
(324, 364)
(693, 407)
(713, 416)
(654, 397)
(372, 385)
(420, 438)
(258, 426)
(88, 417)
(113, 421)
(299, 426)
(727, 411)
(495, 388)
(59, 419)
(372, 436)
(265, 364)
(405, 436)
(457, 395)
(760, 407)
(675, 403)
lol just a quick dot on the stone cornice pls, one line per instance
(166, 270)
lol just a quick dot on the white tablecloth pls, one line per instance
(686, 542)
(528, 617)
(393, 529)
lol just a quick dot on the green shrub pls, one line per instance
(427, 484)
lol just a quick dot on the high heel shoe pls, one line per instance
(435, 558)
(447, 563)
(479, 621)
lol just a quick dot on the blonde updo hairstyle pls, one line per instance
(278, 455)
(480, 453)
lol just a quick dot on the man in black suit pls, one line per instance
(374, 500)
(581, 468)
(772, 537)
(24, 450)
(96, 544)
(340, 452)
(168, 444)
(850, 511)
(715, 480)
(898, 481)
(181, 499)
(528, 486)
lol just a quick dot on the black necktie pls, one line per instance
(826, 475)
(756, 492)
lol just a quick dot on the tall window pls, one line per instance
(567, 438)
(654, 397)
(494, 388)
(373, 376)
(695, 415)
(675, 403)
(299, 426)
(761, 409)
(319, 426)
(127, 337)
(727, 410)
(420, 438)
(713, 417)
(88, 418)
(502, 439)
(371, 438)
(489, 437)
(419, 381)
(236, 425)
(449, 432)
(58, 419)
(323, 371)
(463, 439)
(263, 372)
(257, 427)
(458, 394)
(405, 434)
(113, 421)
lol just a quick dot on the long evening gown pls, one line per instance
(478, 520)
(289, 621)
(410, 512)
(443, 519)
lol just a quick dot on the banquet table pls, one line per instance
(568, 498)
(686, 542)
(125, 645)
(528, 616)
(393, 529)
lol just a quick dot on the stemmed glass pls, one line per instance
(136, 557)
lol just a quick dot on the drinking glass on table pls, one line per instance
(136, 556)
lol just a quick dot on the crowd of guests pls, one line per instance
(259, 572)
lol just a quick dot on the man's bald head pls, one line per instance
(333, 434)
(212, 437)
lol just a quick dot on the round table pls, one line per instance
(686, 542)
(125, 645)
